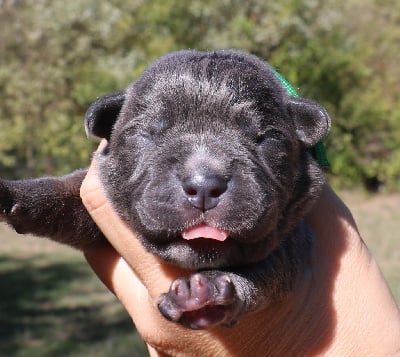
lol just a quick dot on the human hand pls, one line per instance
(341, 307)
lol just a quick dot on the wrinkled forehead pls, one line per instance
(205, 90)
(237, 77)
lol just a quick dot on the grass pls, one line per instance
(51, 303)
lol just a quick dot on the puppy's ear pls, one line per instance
(102, 114)
(311, 120)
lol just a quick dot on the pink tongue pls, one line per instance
(204, 231)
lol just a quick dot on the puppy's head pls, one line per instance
(208, 157)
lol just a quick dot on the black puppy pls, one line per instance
(208, 159)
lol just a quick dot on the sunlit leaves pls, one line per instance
(57, 57)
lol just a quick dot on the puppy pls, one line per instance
(208, 159)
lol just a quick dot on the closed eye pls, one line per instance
(270, 134)
(275, 134)
(151, 130)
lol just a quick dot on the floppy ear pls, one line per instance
(311, 120)
(102, 115)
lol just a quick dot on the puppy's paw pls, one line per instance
(200, 302)
(6, 201)
(11, 212)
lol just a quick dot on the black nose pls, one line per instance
(203, 191)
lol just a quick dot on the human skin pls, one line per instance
(340, 307)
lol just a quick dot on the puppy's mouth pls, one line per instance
(206, 246)
(204, 231)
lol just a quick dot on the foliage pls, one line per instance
(57, 57)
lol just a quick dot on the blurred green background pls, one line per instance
(56, 57)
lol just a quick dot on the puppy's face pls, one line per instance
(207, 158)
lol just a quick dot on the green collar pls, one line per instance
(318, 151)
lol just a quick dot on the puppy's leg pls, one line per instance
(212, 298)
(49, 207)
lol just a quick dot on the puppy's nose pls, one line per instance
(203, 191)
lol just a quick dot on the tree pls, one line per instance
(57, 57)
